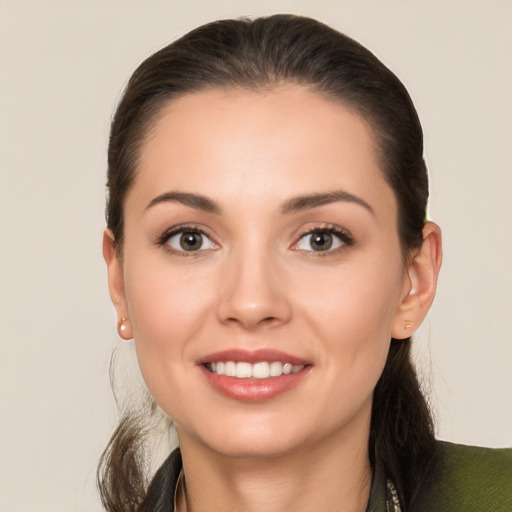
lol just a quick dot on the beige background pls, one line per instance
(62, 66)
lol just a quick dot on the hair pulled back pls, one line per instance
(258, 55)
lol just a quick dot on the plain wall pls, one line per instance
(63, 65)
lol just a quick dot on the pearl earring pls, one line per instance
(122, 328)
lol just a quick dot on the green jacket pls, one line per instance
(464, 479)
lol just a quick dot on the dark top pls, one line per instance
(463, 479)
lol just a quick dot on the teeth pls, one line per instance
(230, 369)
(243, 370)
(276, 369)
(260, 370)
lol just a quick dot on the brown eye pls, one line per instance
(320, 241)
(189, 241)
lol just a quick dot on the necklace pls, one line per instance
(392, 501)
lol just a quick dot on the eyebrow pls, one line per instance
(299, 203)
(196, 201)
(313, 200)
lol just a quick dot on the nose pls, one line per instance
(253, 293)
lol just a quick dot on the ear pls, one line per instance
(420, 289)
(116, 285)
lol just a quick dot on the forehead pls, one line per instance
(283, 142)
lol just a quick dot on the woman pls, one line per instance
(267, 250)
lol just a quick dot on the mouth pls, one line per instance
(253, 376)
(259, 370)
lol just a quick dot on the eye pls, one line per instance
(323, 240)
(189, 240)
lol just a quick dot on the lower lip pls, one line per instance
(254, 390)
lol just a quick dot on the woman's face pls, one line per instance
(260, 229)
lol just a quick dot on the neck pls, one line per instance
(326, 477)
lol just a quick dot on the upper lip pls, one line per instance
(252, 356)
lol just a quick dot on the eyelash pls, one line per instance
(164, 238)
(343, 235)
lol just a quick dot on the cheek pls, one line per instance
(169, 310)
(360, 298)
(168, 307)
(352, 313)
(352, 321)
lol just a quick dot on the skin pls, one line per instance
(258, 284)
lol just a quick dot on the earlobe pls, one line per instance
(116, 285)
(423, 271)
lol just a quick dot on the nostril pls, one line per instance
(253, 321)
(253, 303)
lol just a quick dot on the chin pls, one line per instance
(249, 438)
(252, 447)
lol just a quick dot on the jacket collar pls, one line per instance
(161, 493)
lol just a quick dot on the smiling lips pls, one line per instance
(253, 376)
(260, 370)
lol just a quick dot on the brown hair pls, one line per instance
(259, 54)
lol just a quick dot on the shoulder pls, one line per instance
(467, 479)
